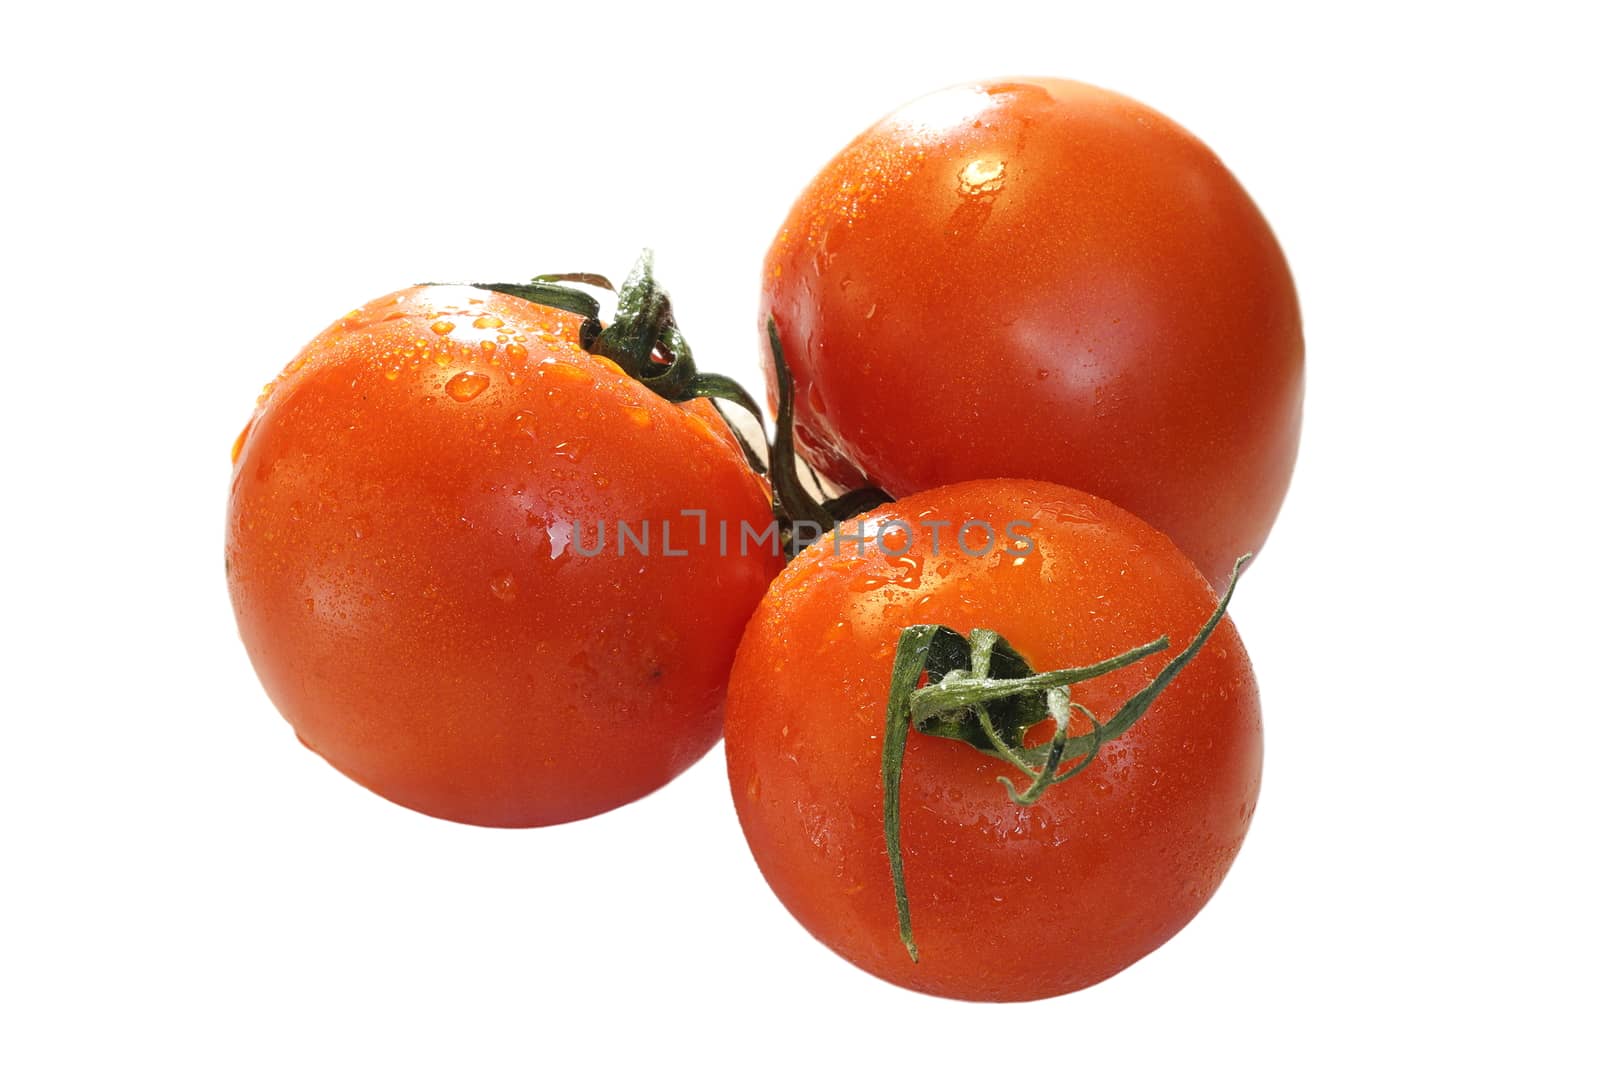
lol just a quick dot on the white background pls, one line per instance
(191, 194)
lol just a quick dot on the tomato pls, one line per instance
(1038, 278)
(415, 555)
(1007, 901)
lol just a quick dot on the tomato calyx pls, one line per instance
(804, 517)
(644, 340)
(643, 337)
(980, 691)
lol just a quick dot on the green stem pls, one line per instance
(1060, 711)
(1132, 711)
(1098, 738)
(911, 655)
(1005, 751)
(792, 501)
(643, 339)
(955, 694)
(935, 700)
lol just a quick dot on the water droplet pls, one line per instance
(516, 351)
(983, 176)
(443, 357)
(466, 385)
(487, 322)
(601, 481)
(525, 422)
(1061, 511)
(442, 327)
(487, 347)
(504, 586)
(640, 417)
(572, 450)
(555, 368)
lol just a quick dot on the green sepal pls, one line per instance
(1012, 716)
(547, 294)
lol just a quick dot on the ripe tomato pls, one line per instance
(1038, 278)
(1006, 901)
(411, 551)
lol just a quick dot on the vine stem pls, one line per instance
(960, 694)
(792, 502)
(643, 339)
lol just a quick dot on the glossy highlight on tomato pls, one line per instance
(1038, 278)
(401, 557)
(1009, 902)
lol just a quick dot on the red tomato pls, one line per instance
(409, 537)
(1038, 278)
(1007, 902)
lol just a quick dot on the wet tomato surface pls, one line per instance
(411, 551)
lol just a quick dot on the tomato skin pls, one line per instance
(1039, 278)
(400, 558)
(1007, 902)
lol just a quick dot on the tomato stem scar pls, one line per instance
(980, 691)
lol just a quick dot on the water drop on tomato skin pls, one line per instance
(525, 422)
(442, 327)
(555, 368)
(504, 587)
(466, 385)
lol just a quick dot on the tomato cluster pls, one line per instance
(507, 564)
